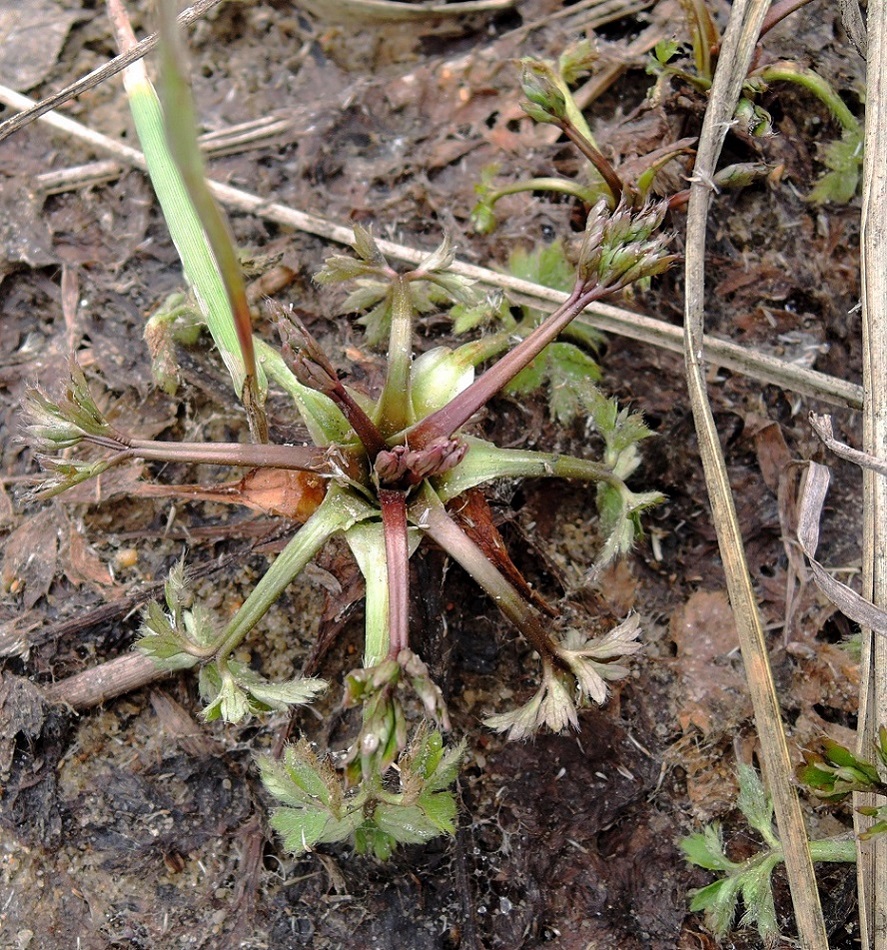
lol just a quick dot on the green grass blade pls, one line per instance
(180, 124)
(184, 224)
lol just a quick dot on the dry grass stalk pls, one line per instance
(736, 52)
(872, 863)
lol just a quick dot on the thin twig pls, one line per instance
(100, 683)
(599, 13)
(738, 47)
(822, 426)
(363, 12)
(13, 643)
(91, 80)
(872, 864)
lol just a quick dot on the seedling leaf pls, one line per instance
(843, 158)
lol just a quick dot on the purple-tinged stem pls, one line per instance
(313, 369)
(364, 427)
(613, 182)
(435, 521)
(452, 416)
(397, 557)
(302, 458)
(778, 12)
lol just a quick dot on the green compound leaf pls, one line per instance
(370, 839)
(178, 638)
(279, 696)
(237, 691)
(718, 901)
(879, 827)
(706, 850)
(316, 812)
(751, 880)
(545, 264)
(299, 778)
(440, 810)
(162, 642)
(843, 158)
(757, 896)
(406, 824)
(224, 698)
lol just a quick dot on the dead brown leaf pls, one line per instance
(21, 712)
(30, 556)
(714, 697)
(273, 491)
(178, 724)
(848, 601)
(81, 564)
(31, 37)
(25, 238)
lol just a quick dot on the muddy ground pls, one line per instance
(135, 825)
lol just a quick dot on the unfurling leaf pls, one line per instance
(179, 639)
(235, 691)
(706, 849)
(315, 811)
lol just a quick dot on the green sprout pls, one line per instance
(315, 810)
(842, 157)
(549, 100)
(832, 775)
(836, 772)
(750, 881)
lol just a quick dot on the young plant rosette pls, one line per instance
(396, 469)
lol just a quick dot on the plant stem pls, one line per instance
(367, 544)
(560, 185)
(778, 12)
(324, 420)
(313, 369)
(397, 559)
(484, 462)
(393, 412)
(613, 182)
(428, 512)
(338, 511)
(834, 850)
(812, 82)
(300, 458)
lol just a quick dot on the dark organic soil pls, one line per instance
(135, 825)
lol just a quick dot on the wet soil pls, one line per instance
(135, 824)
